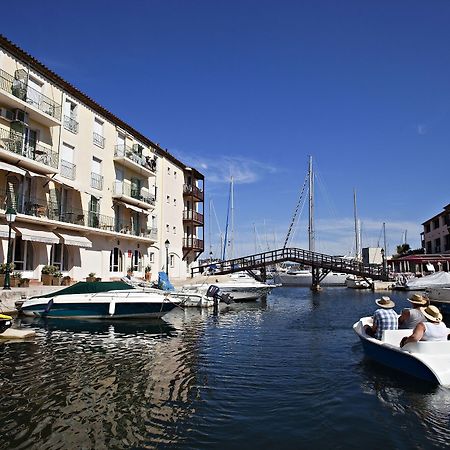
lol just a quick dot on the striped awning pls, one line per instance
(75, 240)
(133, 208)
(4, 230)
(31, 234)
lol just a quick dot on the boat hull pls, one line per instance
(305, 280)
(440, 297)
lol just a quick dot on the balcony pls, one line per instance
(71, 124)
(98, 140)
(96, 181)
(29, 154)
(45, 209)
(68, 170)
(193, 191)
(17, 94)
(144, 165)
(193, 216)
(134, 196)
(194, 244)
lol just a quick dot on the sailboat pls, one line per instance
(353, 281)
(303, 277)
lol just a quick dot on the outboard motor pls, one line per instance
(5, 322)
(214, 292)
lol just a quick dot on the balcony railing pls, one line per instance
(192, 215)
(125, 151)
(190, 189)
(96, 181)
(70, 124)
(127, 189)
(47, 209)
(21, 90)
(68, 170)
(193, 244)
(17, 143)
(98, 139)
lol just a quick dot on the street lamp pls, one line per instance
(10, 218)
(167, 243)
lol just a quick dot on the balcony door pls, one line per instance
(119, 181)
(135, 187)
(94, 209)
(34, 92)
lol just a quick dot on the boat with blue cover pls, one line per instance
(427, 360)
(101, 300)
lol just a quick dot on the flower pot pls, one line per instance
(148, 276)
(47, 279)
(24, 283)
(91, 279)
(56, 281)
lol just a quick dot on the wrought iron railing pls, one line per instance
(18, 143)
(193, 243)
(192, 215)
(98, 139)
(190, 189)
(125, 151)
(127, 189)
(96, 181)
(70, 124)
(21, 90)
(68, 170)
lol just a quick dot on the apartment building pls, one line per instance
(91, 193)
(435, 235)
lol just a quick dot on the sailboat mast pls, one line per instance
(357, 237)
(232, 221)
(311, 206)
(210, 224)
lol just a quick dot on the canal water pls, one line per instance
(285, 373)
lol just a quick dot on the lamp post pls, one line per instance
(10, 218)
(167, 243)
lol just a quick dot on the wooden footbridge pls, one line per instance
(320, 263)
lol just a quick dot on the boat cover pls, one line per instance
(85, 287)
(435, 279)
(164, 283)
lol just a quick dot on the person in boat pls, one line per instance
(410, 317)
(433, 329)
(384, 318)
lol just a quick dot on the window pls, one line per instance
(172, 261)
(70, 116)
(174, 174)
(168, 199)
(59, 257)
(174, 230)
(436, 223)
(23, 254)
(429, 250)
(67, 167)
(96, 174)
(168, 171)
(437, 245)
(447, 243)
(98, 138)
(167, 228)
(151, 257)
(115, 260)
(136, 262)
(427, 227)
(34, 92)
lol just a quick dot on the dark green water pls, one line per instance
(284, 374)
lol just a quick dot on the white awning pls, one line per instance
(4, 230)
(34, 174)
(134, 208)
(11, 168)
(66, 182)
(29, 234)
(75, 240)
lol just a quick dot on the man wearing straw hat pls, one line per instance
(410, 317)
(384, 318)
(431, 330)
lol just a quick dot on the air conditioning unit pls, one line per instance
(6, 114)
(20, 116)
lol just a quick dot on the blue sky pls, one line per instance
(251, 88)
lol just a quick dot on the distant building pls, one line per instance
(372, 255)
(435, 235)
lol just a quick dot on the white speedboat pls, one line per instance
(426, 360)
(303, 278)
(240, 286)
(440, 296)
(101, 300)
(438, 279)
(354, 282)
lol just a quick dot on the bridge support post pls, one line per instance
(315, 285)
(263, 273)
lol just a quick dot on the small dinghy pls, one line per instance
(427, 360)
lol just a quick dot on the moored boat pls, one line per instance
(354, 282)
(440, 296)
(100, 300)
(427, 360)
(303, 278)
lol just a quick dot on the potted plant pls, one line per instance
(66, 281)
(47, 273)
(56, 280)
(15, 279)
(148, 273)
(91, 277)
(24, 282)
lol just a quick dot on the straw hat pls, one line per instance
(418, 299)
(385, 302)
(432, 313)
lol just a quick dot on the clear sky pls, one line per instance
(251, 88)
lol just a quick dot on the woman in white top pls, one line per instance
(410, 317)
(431, 330)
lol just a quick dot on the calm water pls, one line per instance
(286, 373)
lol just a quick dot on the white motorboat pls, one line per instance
(101, 300)
(427, 360)
(354, 282)
(240, 286)
(440, 296)
(303, 278)
(438, 279)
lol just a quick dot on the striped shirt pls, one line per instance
(384, 319)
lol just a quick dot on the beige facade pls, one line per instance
(435, 235)
(92, 194)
